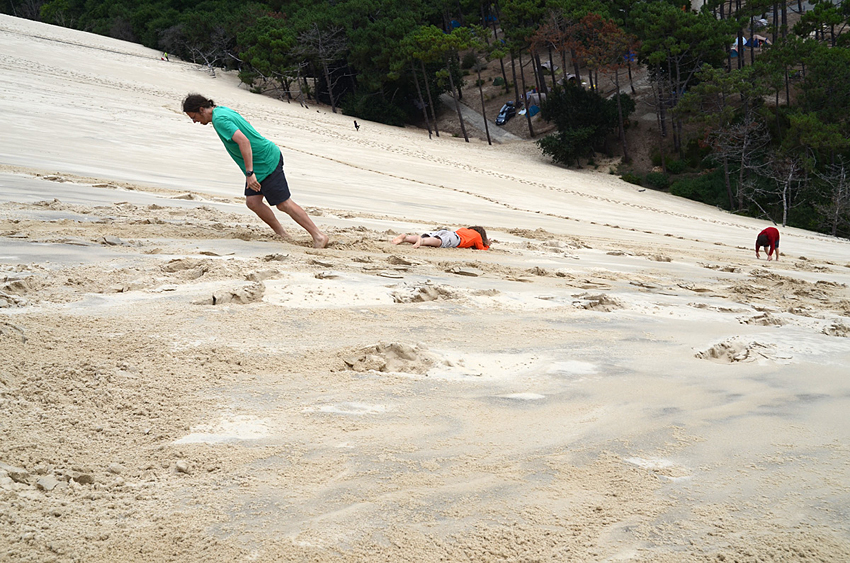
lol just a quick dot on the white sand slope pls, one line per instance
(618, 379)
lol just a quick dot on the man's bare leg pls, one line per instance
(256, 204)
(320, 239)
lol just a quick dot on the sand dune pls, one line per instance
(618, 379)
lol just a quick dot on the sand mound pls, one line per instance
(419, 293)
(734, 351)
(764, 319)
(391, 357)
(837, 329)
(597, 302)
(240, 295)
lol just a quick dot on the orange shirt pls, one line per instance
(470, 238)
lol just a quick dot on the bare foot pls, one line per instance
(320, 241)
(399, 239)
(418, 242)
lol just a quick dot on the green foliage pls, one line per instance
(675, 166)
(498, 81)
(656, 158)
(825, 89)
(583, 119)
(468, 60)
(658, 180)
(565, 147)
(632, 178)
(373, 108)
(707, 188)
(695, 154)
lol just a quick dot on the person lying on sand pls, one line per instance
(260, 160)
(471, 237)
(769, 239)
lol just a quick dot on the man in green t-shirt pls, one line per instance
(260, 160)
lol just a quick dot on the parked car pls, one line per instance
(508, 111)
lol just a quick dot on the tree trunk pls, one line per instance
(564, 64)
(785, 204)
(741, 177)
(421, 101)
(460, 12)
(752, 41)
(787, 89)
(430, 99)
(527, 113)
(516, 84)
(675, 100)
(626, 157)
(484, 23)
(783, 8)
(483, 109)
(501, 59)
(535, 71)
(740, 49)
(728, 182)
(775, 21)
(574, 57)
(457, 103)
(661, 141)
(551, 70)
(329, 85)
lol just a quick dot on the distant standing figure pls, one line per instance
(472, 237)
(260, 161)
(164, 56)
(356, 125)
(769, 239)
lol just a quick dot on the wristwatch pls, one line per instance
(248, 173)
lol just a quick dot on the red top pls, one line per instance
(470, 238)
(772, 234)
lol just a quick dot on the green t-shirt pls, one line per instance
(266, 154)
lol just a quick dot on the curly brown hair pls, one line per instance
(194, 102)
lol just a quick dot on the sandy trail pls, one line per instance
(617, 380)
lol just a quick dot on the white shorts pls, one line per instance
(449, 238)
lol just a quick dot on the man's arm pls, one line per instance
(248, 156)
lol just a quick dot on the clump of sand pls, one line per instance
(736, 350)
(392, 357)
(597, 302)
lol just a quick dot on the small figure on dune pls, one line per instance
(356, 125)
(471, 237)
(260, 160)
(769, 239)
(164, 57)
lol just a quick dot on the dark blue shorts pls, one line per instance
(273, 187)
